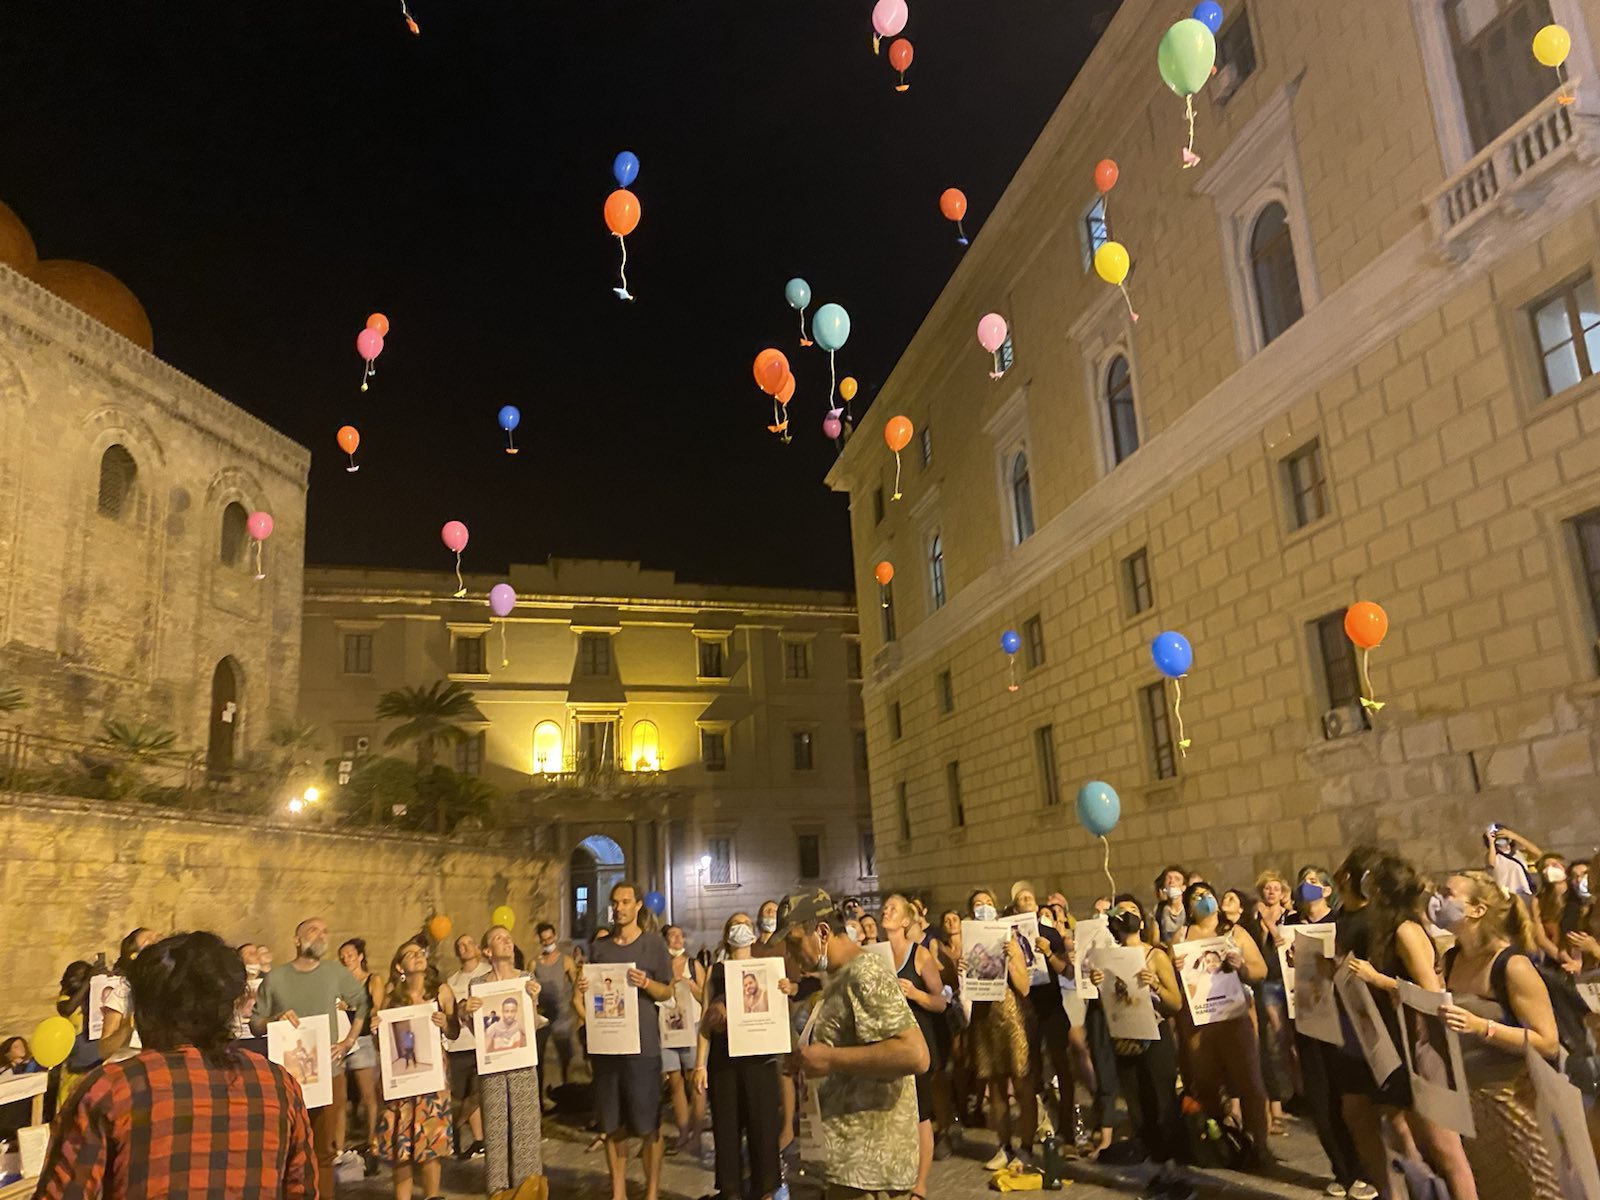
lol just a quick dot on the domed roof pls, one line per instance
(17, 250)
(100, 294)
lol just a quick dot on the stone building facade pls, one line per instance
(1364, 367)
(706, 741)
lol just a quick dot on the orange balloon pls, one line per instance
(379, 322)
(883, 573)
(439, 928)
(900, 54)
(953, 204)
(786, 393)
(771, 369)
(349, 439)
(898, 433)
(1105, 174)
(622, 212)
(1366, 624)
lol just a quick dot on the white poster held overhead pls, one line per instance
(102, 989)
(504, 1025)
(1566, 1132)
(1284, 936)
(611, 1009)
(1025, 928)
(1130, 1013)
(1433, 1059)
(758, 1013)
(1089, 935)
(983, 960)
(410, 1051)
(1212, 993)
(679, 1017)
(1316, 1008)
(305, 1053)
(1361, 1006)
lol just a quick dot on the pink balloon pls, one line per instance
(369, 344)
(992, 332)
(832, 426)
(260, 526)
(889, 17)
(454, 534)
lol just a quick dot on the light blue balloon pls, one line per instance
(797, 292)
(510, 418)
(1099, 807)
(1172, 654)
(625, 168)
(830, 326)
(1209, 14)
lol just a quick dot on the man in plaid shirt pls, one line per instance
(191, 1115)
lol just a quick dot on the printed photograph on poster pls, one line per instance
(102, 989)
(983, 960)
(504, 1025)
(1126, 1002)
(758, 1014)
(611, 1008)
(1025, 928)
(410, 1054)
(306, 1053)
(1433, 1059)
(1316, 1008)
(1284, 939)
(1211, 992)
(1089, 935)
(679, 1018)
(1361, 1006)
(1563, 1123)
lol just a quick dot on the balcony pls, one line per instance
(591, 787)
(1512, 176)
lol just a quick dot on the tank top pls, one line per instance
(555, 991)
(926, 1021)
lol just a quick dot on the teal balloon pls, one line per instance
(830, 327)
(1099, 807)
(1187, 54)
(797, 292)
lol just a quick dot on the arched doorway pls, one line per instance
(225, 689)
(597, 864)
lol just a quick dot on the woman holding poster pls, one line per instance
(414, 1132)
(998, 1041)
(510, 1099)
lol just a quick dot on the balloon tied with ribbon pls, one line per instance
(953, 204)
(884, 574)
(1551, 45)
(831, 329)
(798, 293)
(369, 344)
(348, 440)
(259, 526)
(1111, 263)
(1366, 625)
(1099, 810)
(454, 536)
(888, 18)
(502, 599)
(1011, 643)
(1187, 54)
(897, 433)
(510, 418)
(1173, 656)
(411, 24)
(900, 55)
(992, 333)
(774, 378)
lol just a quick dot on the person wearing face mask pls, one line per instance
(1501, 1008)
(677, 1065)
(766, 922)
(557, 974)
(1170, 916)
(998, 1040)
(923, 988)
(1261, 920)
(1049, 1031)
(1551, 905)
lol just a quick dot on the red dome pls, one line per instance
(17, 250)
(100, 294)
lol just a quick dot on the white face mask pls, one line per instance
(853, 932)
(768, 924)
(1555, 874)
(1582, 884)
(1046, 920)
(252, 969)
(741, 935)
(984, 912)
(1174, 893)
(676, 952)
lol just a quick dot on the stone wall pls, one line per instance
(75, 876)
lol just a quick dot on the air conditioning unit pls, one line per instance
(363, 745)
(1225, 84)
(1342, 722)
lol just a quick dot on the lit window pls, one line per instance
(952, 784)
(1120, 414)
(1021, 499)
(358, 654)
(714, 750)
(235, 533)
(645, 754)
(1500, 80)
(711, 659)
(810, 846)
(469, 755)
(1273, 269)
(594, 654)
(546, 748)
(1587, 530)
(720, 869)
(597, 745)
(802, 744)
(469, 654)
(1136, 570)
(936, 570)
(1044, 752)
(1308, 487)
(797, 660)
(117, 473)
(947, 692)
(1567, 325)
(1163, 751)
(1006, 355)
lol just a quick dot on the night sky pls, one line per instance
(264, 175)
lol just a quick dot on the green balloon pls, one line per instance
(1187, 54)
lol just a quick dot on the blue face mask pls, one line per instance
(984, 912)
(1204, 906)
(1450, 913)
(1310, 891)
(740, 936)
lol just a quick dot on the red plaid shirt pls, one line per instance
(169, 1124)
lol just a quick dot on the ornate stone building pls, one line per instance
(1366, 366)
(128, 588)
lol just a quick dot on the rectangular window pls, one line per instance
(1094, 230)
(1341, 676)
(358, 654)
(888, 612)
(800, 740)
(1236, 53)
(852, 659)
(714, 750)
(1006, 356)
(469, 755)
(797, 660)
(926, 445)
(1136, 571)
(1044, 751)
(355, 745)
(869, 855)
(946, 690)
(1306, 484)
(597, 745)
(720, 869)
(1033, 639)
(594, 654)
(860, 742)
(952, 786)
(877, 506)
(895, 729)
(711, 659)
(1587, 529)
(1163, 753)
(936, 571)
(1500, 80)
(902, 798)
(469, 654)
(810, 846)
(1567, 326)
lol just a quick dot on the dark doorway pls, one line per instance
(596, 865)
(224, 718)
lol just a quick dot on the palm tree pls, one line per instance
(430, 717)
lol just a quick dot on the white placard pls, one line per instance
(1316, 1009)
(504, 1026)
(304, 1052)
(341, 1021)
(884, 951)
(1591, 995)
(983, 960)
(410, 1051)
(1072, 1001)
(1566, 1133)
(1377, 1047)
(1130, 1013)
(101, 989)
(23, 1087)
(813, 1100)
(758, 1013)
(679, 1017)
(32, 1143)
(1211, 993)
(1283, 936)
(1089, 935)
(611, 1009)
(1433, 1059)
(1025, 928)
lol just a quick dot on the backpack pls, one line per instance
(1578, 1050)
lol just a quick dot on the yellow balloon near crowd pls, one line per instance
(504, 916)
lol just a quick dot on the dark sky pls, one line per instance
(265, 174)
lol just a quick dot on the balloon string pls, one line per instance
(883, 596)
(505, 655)
(1177, 712)
(352, 466)
(1368, 701)
(1133, 316)
(961, 239)
(831, 383)
(1566, 95)
(622, 293)
(804, 340)
(461, 587)
(1106, 865)
(896, 495)
(366, 373)
(1011, 672)
(260, 574)
(511, 442)
(875, 40)
(1189, 157)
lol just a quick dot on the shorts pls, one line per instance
(675, 1060)
(363, 1055)
(462, 1071)
(627, 1093)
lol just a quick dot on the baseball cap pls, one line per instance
(806, 908)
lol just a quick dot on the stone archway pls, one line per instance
(223, 743)
(596, 865)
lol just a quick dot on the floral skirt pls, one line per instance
(416, 1129)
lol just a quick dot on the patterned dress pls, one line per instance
(998, 1036)
(512, 1130)
(416, 1129)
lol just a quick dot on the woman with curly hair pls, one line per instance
(414, 1132)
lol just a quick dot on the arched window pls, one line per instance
(1272, 267)
(546, 748)
(1021, 498)
(1123, 422)
(646, 754)
(235, 533)
(936, 570)
(117, 473)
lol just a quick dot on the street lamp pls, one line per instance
(296, 804)
(312, 795)
(705, 862)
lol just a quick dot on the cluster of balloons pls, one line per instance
(953, 204)
(1366, 625)
(1551, 45)
(369, 344)
(831, 425)
(348, 439)
(830, 329)
(991, 336)
(454, 536)
(510, 418)
(897, 433)
(259, 526)
(622, 212)
(1186, 58)
(774, 377)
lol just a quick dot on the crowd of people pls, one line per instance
(901, 1064)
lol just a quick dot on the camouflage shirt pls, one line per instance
(870, 1125)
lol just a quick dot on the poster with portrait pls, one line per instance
(504, 1025)
(1089, 935)
(1315, 1006)
(102, 990)
(1130, 1013)
(1566, 1133)
(758, 1013)
(1433, 1058)
(611, 1009)
(679, 1017)
(410, 1052)
(1211, 992)
(1025, 928)
(1284, 936)
(1361, 1006)
(983, 960)
(306, 1053)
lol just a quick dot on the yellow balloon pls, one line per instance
(504, 916)
(847, 387)
(1111, 262)
(1551, 45)
(52, 1041)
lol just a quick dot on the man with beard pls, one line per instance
(310, 988)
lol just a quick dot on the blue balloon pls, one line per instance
(797, 292)
(655, 902)
(830, 326)
(1099, 807)
(625, 167)
(1010, 642)
(1172, 654)
(1209, 14)
(510, 418)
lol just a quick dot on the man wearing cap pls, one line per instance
(864, 1048)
